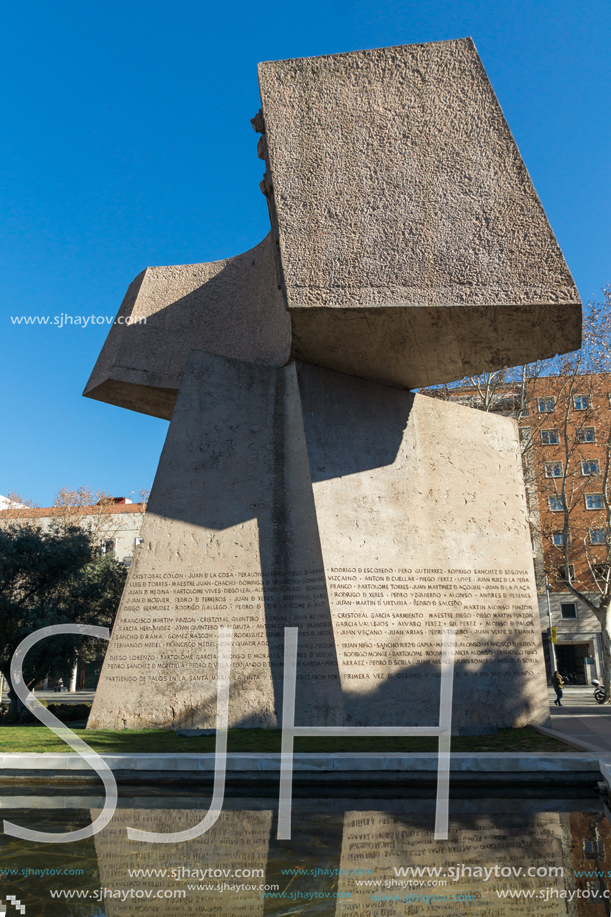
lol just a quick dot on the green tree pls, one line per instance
(53, 576)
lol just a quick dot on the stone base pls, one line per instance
(368, 517)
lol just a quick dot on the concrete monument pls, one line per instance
(301, 483)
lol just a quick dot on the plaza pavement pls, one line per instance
(581, 718)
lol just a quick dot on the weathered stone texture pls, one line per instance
(231, 307)
(230, 538)
(415, 348)
(367, 533)
(394, 182)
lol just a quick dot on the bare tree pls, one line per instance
(96, 511)
(17, 506)
(579, 555)
(506, 391)
(563, 408)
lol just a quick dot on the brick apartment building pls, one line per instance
(570, 425)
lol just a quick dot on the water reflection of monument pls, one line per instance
(204, 869)
(343, 855)
(301, 484)
(590, 838)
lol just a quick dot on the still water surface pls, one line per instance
(346, 857)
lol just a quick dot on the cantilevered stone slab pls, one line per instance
(231, 307)
(407, 238)
(412, 246)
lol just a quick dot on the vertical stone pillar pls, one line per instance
(229, 539)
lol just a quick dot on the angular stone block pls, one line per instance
(423, 523)
(231, 307)
(408, 247)
(230, 538)
(412, 246)
(407, 238)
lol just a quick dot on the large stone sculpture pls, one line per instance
(301, 483)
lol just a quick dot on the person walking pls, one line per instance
(558, 684)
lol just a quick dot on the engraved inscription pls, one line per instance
(170, 622)
(385, 619)
(389, 618)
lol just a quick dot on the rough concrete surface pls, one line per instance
(423, 523)
(366, 532)
(229, 539)
(414, 348)
(394, 182)
(231, 307)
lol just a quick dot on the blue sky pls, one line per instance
(127, 143)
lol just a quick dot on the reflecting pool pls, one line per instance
(504, 856)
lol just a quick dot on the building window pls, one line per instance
(546, 405)
(550, 437)
(593, 848)
(594, 501)
(138, 541)
(582, 402)
(597, 536)
(601, 571)
(592, 466)
(586, 435)
(568, 610)
(553, 470)
(108, 547)
(556, 503)
(560, 574)
(558, 539)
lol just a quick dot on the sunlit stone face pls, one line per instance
(412, 246)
